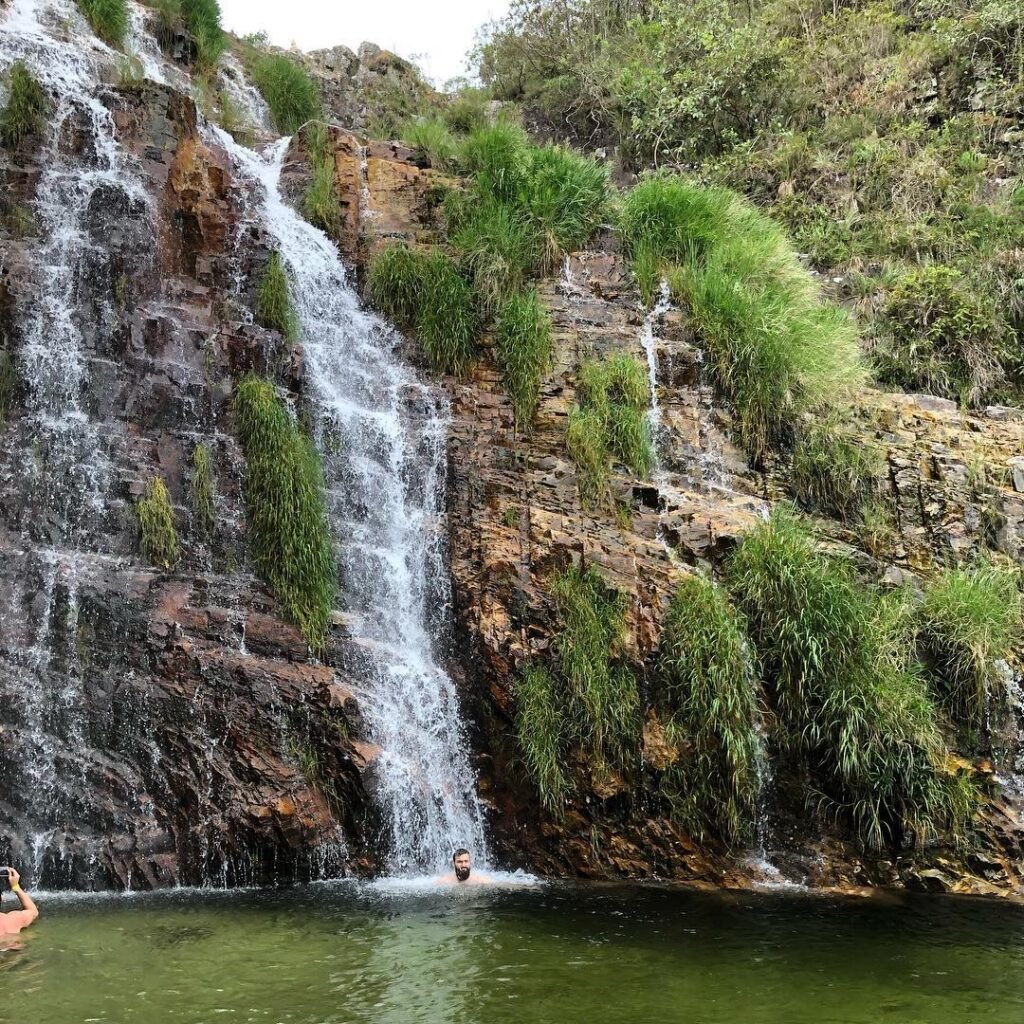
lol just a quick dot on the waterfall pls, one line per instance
(66, 477)
(381, 433)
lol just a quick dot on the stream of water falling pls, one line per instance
(67, 474)
(381, 432)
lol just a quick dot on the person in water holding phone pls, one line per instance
(461, 875)
(14, 920)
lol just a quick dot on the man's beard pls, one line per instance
(462, 874)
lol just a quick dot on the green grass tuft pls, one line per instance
(497, 156)
(446, 322)
(834, 472)
(434, 143)
(852, 703)
(107, 18)
(602, 704)
(274, 308)
(200, 19)
(970, 619)
(610, 419)
(320, 204)
(705, 670)
(539, 727)
(286, 86)
(499, 249)
(203, 490)
(286, 508)
(25, 112)
(395, 281)
(524, 352)
(776, 349)
(158, 536)
(564, 196)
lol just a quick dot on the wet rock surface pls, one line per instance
(175, 729)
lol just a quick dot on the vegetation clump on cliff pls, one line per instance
(203, 488)
(710, 693)
(588, 703)
(107, 18)
(851, 700)
(8, 383)
(25, 111)
(777, 349)
(274, 309)
(201, 21)
(834, 472)
(969, 623)
(158, 536)
(286, 86)
(524, 352)
(320, 203)
(609, 420)
(286, 509)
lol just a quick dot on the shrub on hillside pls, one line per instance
(286, 86)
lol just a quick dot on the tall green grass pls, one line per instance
(158, 536)
(446, 322)
(433, 141)
(539, 728)
(107, 18)
(705, 671)
(285, 505)
(499, 249)
(320, 204)
(394, 283)
(776, 348)
(497, 158)
(564, 196)
(834, 472)
(290, 93)
(970, 620)
(201, 20)
(610, 419)
(274, 308)
(203, 489)
(587, 706)
(602, 705)
(524, 352)
(425, 291)
(26, 108)
(852, 701)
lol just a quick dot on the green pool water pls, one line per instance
(349, 952)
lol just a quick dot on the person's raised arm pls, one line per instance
(29, 911)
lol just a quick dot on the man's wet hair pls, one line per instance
(459, 852)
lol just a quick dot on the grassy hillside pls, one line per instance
(886, 138)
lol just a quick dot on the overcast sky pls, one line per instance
(438, 34)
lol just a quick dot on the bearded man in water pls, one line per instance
(462, 872)
(14, 920)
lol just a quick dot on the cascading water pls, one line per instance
(381, 433)
(67, 475)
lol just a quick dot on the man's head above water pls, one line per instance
(460, 859)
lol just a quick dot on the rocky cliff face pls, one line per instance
(515, 516)
(183, 733)
(169, 722)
